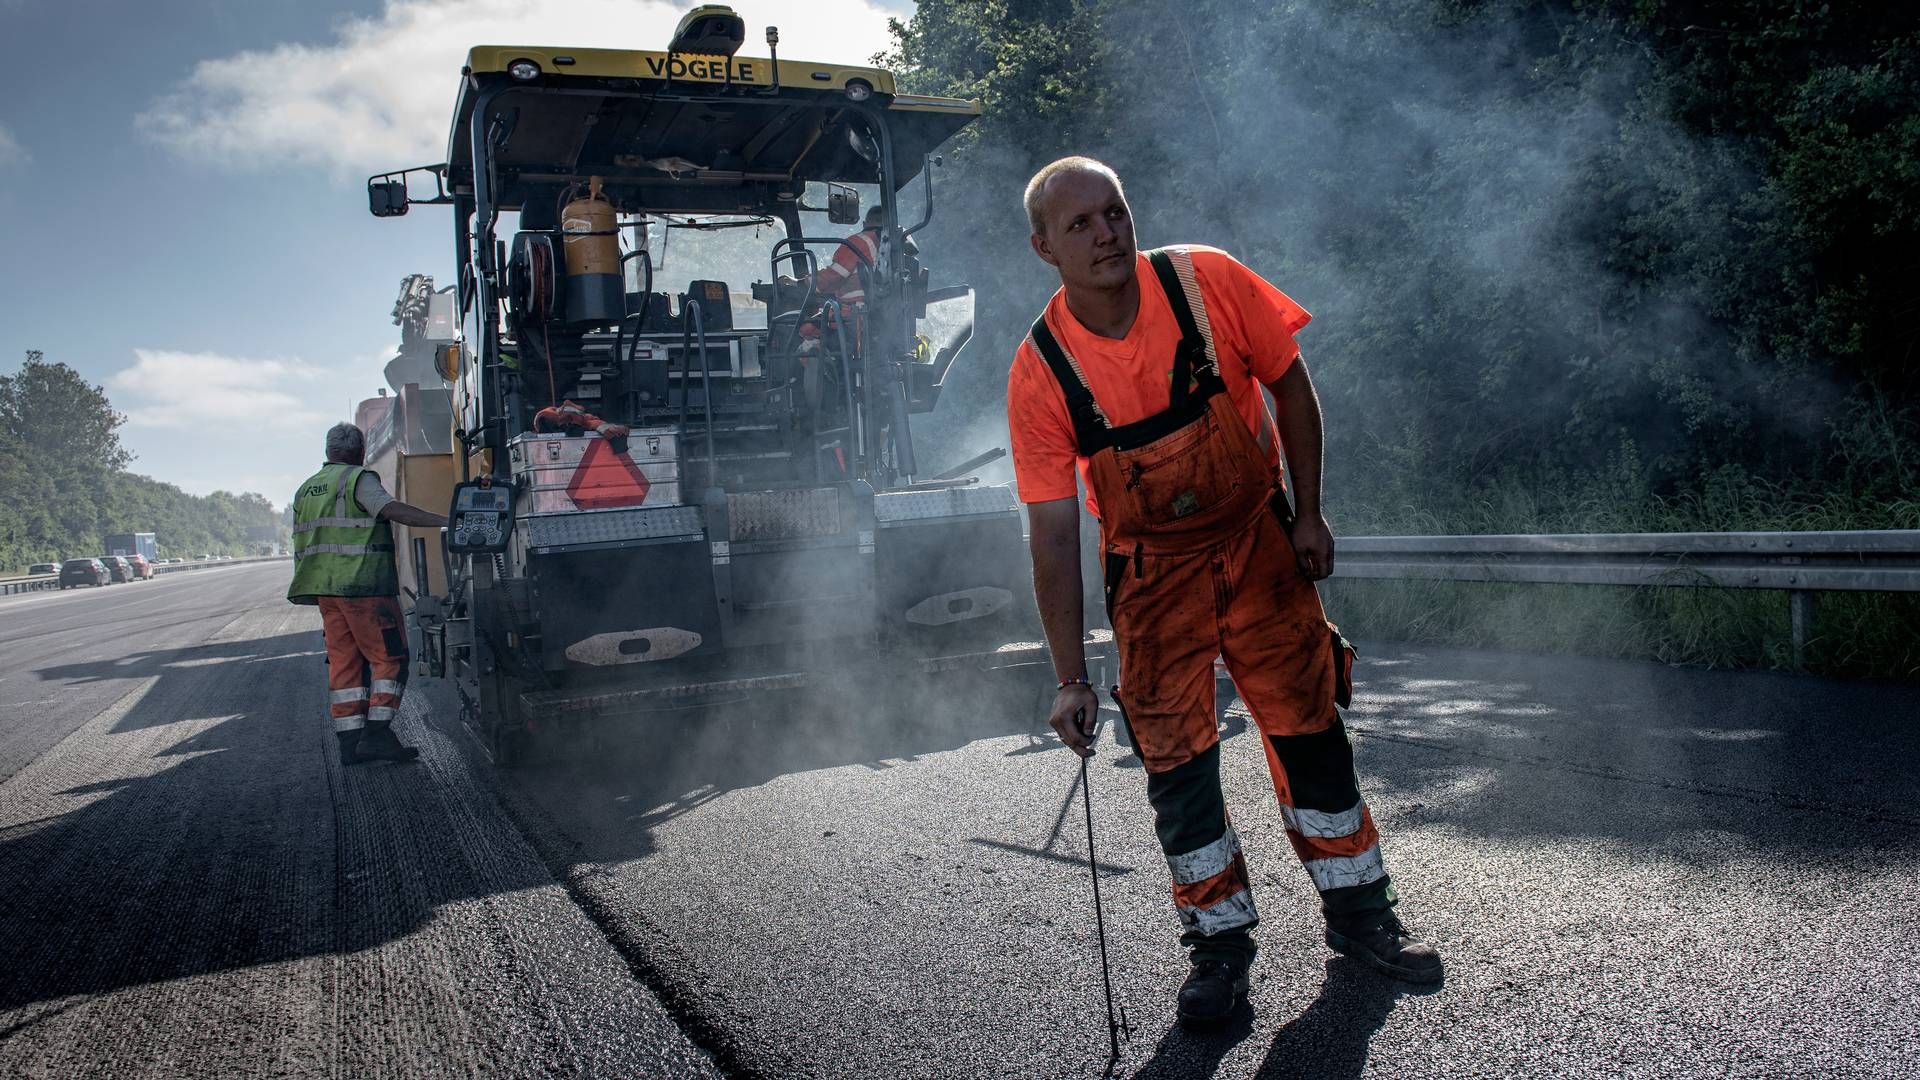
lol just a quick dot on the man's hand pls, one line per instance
(1313, 546)
(1076, 716)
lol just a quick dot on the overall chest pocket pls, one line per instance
(1186, 473)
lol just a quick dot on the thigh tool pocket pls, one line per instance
(1184, 474)
(1343, 654)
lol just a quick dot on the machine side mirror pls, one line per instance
(387, 198)
(447, 360)
(843, 205)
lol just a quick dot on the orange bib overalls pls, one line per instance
(1199, 565)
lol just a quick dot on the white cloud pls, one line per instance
(207, 421)
(191, 391)
(11, 152)
(380, 95)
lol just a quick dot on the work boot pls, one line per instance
(1390, 947)
(349, 747)
(1212, 989)
(378, 743)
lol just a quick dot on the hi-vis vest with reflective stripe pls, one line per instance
(338, 548)
(849, 287)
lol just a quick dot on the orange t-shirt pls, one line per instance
(1131, 378)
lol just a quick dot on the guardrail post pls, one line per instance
(1800, 608)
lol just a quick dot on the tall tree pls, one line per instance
(55, 415)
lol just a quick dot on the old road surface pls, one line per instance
(1632, 870)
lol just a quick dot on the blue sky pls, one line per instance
(182, 190)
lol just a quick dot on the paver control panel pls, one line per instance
(481, 518)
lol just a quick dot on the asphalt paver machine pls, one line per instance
(670, 492)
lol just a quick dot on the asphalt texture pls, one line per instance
(1630, 869)
(191, 885)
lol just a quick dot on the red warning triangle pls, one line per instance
(604, 479)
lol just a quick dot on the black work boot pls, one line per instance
(1390, 947)
(1213, 988)
(378, 743)
(349, 747)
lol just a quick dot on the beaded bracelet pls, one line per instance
(1074, 680)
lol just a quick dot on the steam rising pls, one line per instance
(1447, 200)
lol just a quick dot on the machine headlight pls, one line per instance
(858, 90)
(524, 70)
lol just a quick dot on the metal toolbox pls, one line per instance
(548, 471)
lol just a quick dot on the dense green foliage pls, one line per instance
(1575, 265)
(64, 484)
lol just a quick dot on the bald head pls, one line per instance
(1036, 197)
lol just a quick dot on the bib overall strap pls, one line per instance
(1090, 429)
(1192, 362)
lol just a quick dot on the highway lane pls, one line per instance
(96, 627)
(1631, 869)
(191, 885)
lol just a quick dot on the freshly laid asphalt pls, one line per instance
(1630, 869)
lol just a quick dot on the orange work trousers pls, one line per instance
(1242, 600)
(366, 659)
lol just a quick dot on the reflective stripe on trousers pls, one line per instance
(366, 658)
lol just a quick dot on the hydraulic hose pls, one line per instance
(621, 350)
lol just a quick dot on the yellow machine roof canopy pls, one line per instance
(657, 119)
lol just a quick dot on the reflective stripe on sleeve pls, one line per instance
(1346, 871)
(339, 549)
(1232, 913)
(1322, 824)
(334, 523)
(1203, 863)
(341, 697)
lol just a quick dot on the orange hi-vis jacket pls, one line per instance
(840, 278)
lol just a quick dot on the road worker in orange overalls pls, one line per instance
(1146, 371)
(343, 564)
(844, 279)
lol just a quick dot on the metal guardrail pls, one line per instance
(1802, 564)
(49, 581)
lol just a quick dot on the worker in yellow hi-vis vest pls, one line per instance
(343, 562)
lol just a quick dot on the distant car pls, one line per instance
(117, 566)
(77, 572)
(204, 558)
(43, 568)
(141, 567)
